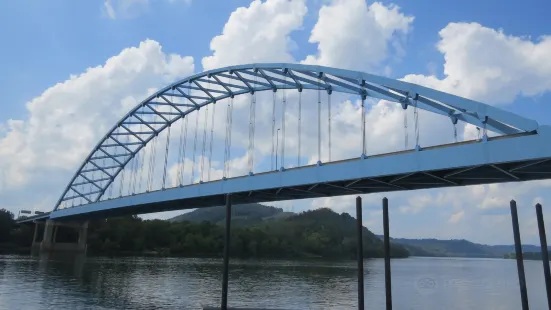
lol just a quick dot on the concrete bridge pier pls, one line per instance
(61, 237)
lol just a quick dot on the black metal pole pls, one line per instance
(520, 261)
(226, 255)
(544, 254)
(360, 253)
(386, 229)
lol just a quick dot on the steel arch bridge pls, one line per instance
(521, 150)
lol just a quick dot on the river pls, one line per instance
(174, 283)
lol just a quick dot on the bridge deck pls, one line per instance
(521, 157)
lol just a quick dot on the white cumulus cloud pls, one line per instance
(69, 118)
(353, 35)
(490, 66)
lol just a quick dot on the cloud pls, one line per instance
(416, 204)
(69, 118)
(490, 66)
(456, 217)
(352, 35)
(130, 8)
(258, 33)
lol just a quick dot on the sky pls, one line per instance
(73, 68)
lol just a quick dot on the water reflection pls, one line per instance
(73, 282)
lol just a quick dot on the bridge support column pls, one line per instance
(519, 256)
(224, 305)
(360, 250)
(544, 253)
(71, 239)
(35, 246)
(386, 229)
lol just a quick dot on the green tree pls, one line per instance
(7, 223)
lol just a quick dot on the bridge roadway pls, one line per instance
(520, 157)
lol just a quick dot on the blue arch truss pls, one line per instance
(177, 100)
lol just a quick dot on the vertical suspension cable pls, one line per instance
(283, 110)
(131, 174)
(273, 167)
(150, 175)
(90, 185)
(224, 174)
(93, 178)
(211, 138)
(227, 151)
(142, 160)
(319, 120)
(106, 192)
(364, 146)
(184, 147)
(195, 145)
(252, 116)
(121, 187)
(205, 123)
(416, 120)
(110, 194)
(249, 149)
(167, 146)
(152, 165)
(133, 171)
(329, 124)
(103, 165)
(299, 124)
(229, 140)
(406, 133)
(135, 175)
(180, 146)
(253, 131)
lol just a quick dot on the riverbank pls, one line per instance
(527, 256)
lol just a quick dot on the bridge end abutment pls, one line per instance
(60, 237)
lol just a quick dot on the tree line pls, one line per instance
(14, 238)
(527, 255)
(313, 234)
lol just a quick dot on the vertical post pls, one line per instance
(82, 237)
(360, 250)
(55, 233)
(224, 305)
(386, 229)
(277, 147)
(544, 254)
(520, 262)
(35, 232)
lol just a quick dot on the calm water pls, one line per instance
(147, 283)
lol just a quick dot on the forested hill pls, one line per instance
(334, 234)
(314, 234)
(244, 214)
(458, 248)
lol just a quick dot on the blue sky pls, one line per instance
(47, 47)
(50, 42)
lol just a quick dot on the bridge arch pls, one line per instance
(190, 94)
